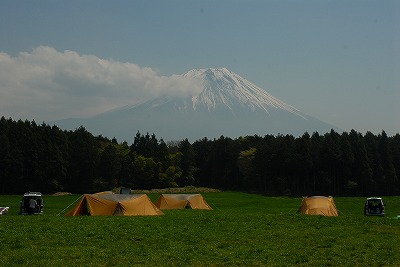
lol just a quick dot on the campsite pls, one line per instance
(241, 230)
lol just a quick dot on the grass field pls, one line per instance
(242, 230)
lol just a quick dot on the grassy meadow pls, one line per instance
(242, 230)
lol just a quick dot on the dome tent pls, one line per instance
(108, 204)
(181, 201)
(318, 205)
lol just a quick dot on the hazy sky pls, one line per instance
(335, 60)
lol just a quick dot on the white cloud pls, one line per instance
(48, 85)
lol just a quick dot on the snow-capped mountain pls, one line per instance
(223, 88)
(228, 105)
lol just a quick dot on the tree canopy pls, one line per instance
(47, 159)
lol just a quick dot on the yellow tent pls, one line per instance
(108, 204)
(318, 205)
(181, 201)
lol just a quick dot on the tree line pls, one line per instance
(47, 159)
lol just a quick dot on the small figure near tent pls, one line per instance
(318, 205)
(32, 206)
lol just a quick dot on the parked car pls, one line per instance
(31, 203)
(374, 206)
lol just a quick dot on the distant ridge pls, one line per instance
(228, 105)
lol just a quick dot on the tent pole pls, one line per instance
(69, 205)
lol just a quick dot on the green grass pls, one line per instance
(242, 230)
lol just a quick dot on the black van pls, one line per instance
(31, 203)
(374, 206)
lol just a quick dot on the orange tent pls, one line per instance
(108, 204)
(181, 201)
(318, 205)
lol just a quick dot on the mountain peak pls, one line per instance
(209, 71)
(228, 105)
(226, 89)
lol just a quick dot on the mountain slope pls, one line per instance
(229, 105)
(225, 88)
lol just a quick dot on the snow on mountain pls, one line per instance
(223, 87)
(228, 105)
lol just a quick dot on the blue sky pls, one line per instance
(337, 60)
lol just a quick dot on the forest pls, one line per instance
(47, 159)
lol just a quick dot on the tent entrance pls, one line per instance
(118, 211)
